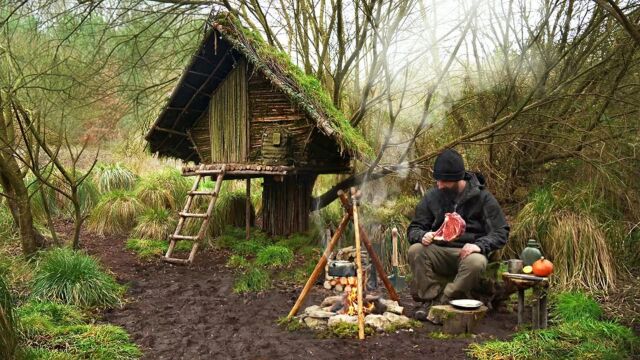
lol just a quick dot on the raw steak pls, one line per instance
(452, 227)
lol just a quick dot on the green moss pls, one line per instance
(307, 91)
(344, 330)
(411, 324)
(290, 324)
(439, 335)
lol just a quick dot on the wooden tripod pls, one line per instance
(348, 216)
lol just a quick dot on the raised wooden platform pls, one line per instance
(246, 171)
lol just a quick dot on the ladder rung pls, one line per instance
(210, 193)
(176, 261)
(184, 237)
(193, 215)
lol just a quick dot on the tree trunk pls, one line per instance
(287, 204)
(18, 199)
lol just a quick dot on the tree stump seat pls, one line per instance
(456, 321)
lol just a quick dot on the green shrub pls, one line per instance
(238, 262)
(8, 337)
(112, 177)
(155, 223)
(252, 280)
(146, 248)
(74, 278)
(115, 213)
(571, 306)
(274, 256)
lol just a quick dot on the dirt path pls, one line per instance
(179, 312)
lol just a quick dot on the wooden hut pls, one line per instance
(243, 110)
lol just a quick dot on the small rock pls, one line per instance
(317, 312)
(379, 322)
(395, 319)
(392, 306)
(315, 324)
(342, 318)
(329, 301)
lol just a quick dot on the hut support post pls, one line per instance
(247, 213)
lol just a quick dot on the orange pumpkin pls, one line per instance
(542, 267)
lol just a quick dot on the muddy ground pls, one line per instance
(177, 312)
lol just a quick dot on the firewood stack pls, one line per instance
(343, 283)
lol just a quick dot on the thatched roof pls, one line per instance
(225, 42)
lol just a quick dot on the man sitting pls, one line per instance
(466, 256)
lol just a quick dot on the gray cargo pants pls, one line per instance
(433, 261)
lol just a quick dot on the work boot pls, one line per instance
(422, 312)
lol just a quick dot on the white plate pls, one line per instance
(466, 304)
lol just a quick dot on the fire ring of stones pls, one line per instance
(381, 314)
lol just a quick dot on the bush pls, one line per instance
(154, 223)
(274, 256)
(8, 337)
(252, 280)
(146, 248)
(112, 177)
(115, 213)
(74, 278)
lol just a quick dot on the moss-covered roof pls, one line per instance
(304, 90)
(190, 99)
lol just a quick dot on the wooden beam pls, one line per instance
(170, 131)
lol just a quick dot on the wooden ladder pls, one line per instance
(185, 214)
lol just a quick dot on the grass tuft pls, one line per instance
(8, 335)
(112, 177)
(146, 248)
(252, 280)
(115, 213)
(274, 256)
(238, 262)
(71, 277)
(155, 223)
(572, 306)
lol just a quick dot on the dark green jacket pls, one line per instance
(486, 224)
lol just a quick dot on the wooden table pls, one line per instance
(540, 288)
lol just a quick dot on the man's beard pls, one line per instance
(450, 194)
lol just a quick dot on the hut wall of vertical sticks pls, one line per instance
(241, 103)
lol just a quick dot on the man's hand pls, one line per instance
(427, 239)
(468, 249)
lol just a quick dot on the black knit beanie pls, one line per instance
(449, 166)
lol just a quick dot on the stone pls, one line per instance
(379, 322)
(315, 324)
(392, 306)
(395, 319)
(317, 312)
(342, 318)
(329, 301)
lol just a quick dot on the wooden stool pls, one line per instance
(540, 287)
